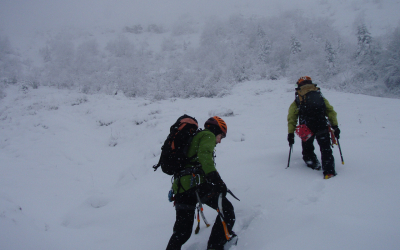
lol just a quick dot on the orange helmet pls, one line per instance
(217, 122)
(303, 80)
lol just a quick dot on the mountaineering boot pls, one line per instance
(232, 242)
(317, 166)
(329, 175)
(314, 165)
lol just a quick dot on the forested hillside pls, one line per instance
(191, 59)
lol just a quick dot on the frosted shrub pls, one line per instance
(120, 47)
(228, 51)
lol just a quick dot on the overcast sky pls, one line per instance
(44, 14)
(22, 16)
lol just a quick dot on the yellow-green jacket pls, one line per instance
(202, 149)
(293, 113)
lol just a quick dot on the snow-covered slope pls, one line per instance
(76, 171)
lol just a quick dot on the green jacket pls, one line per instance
(293, 115)
(202, 149)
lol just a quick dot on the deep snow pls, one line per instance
(77, 171)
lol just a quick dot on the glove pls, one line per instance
(336, 131)
(290, 138)
(218, 185)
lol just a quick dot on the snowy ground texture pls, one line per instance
(76, 172)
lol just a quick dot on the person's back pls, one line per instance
(312, 107)
(200, 154)
(205, 186)
(313, 112)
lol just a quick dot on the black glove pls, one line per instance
(290, 138)
(217, 183)
(336, 131)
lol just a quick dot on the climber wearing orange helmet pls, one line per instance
(206, 186)
(313, 112)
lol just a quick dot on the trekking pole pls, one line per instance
(221, 215)
(290, 152)
(340, 150)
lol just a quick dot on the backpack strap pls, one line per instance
(157, 165)
(297, 98)
(303, 90)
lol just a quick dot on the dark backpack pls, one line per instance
(312, 109)
(173, 153)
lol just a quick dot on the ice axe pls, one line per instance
(290, 152)
(228, 236)
(200, 207)
(335, 141)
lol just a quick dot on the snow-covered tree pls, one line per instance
(229, 51)
(366, 50)
(295, 46)
(391, 63)
(10, 63)
(58, 59)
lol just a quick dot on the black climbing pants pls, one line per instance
(324, 142)
(185, 204)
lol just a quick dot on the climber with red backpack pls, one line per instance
(316, 118)
(197, 181)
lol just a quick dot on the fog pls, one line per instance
(199, 48)
(25, 15)
(20, 17)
